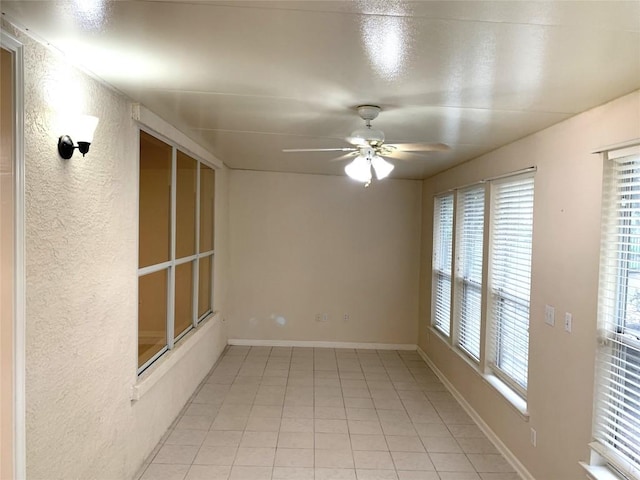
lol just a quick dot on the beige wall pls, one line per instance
(221, 259)
(308, 244)
(566, 238)
(81, 276)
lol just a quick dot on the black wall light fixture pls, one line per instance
(84, 128)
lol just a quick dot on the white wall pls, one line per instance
(81, 268)
(307, 244)
(566, 241)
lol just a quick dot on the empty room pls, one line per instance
(320, 240)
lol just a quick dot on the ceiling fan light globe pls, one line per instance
(357, 141)
(359, 169)
(363, 136)
(381, 167)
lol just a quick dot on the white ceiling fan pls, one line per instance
(369, 148)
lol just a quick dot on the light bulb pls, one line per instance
(83, 128)
(359, 169)
(381, 167)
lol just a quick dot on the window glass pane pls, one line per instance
(618, 408)
(184, 297)
(629, 222)
(617, 412)
(204, 288)
(185, 205)
(442, 262)
(470, 243)
(207, 194)
(511, 240)
(155, 201)
(470, 316)
(152, 315)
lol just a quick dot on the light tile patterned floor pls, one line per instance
(323, 414)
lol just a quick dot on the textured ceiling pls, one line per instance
(248, 79)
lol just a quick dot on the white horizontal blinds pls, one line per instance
(617, 413)
(511, 237)
(469, 268)
(442, 262)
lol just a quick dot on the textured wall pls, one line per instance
(81, 254)
(81, 267)
(566, 248)
(308, 244)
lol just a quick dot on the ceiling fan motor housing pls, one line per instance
(370, 136)
(368, 112)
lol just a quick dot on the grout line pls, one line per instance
(252, 366)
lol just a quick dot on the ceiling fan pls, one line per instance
(369, 148)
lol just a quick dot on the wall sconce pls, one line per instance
(83, 129)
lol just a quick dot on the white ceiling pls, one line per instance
(251, 78)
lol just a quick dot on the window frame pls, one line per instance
(439, 274)
(611, 390)
(170, 265)
(510, 390)
(495, 295)
(464, 284)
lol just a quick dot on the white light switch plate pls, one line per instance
(549, 315)
(568, 320)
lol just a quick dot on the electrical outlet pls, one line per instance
(568, 320)
(534, 437)
(318, 317)
(346, 317)
(549, 315)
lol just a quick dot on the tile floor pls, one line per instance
(323, 414)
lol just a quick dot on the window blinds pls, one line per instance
(510, 283)
(442, 262)
(617, 409)
(469, 268)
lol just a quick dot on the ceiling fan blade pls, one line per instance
(343, 157)
(343, 149)
(403, 155)
(420, 147)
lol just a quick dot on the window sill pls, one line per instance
(518, 403)
(598, 472)
(163, 365)
(514, 400)
(606, 464)
(441, 335)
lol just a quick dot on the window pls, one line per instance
(617, 410)
(511, 235)
(175, 260)
(469, 269)
(442, 262)
(503, 324)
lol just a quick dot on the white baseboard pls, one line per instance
(308, 343)
(502, 448)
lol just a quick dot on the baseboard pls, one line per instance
(493, 438)
(308, 343)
